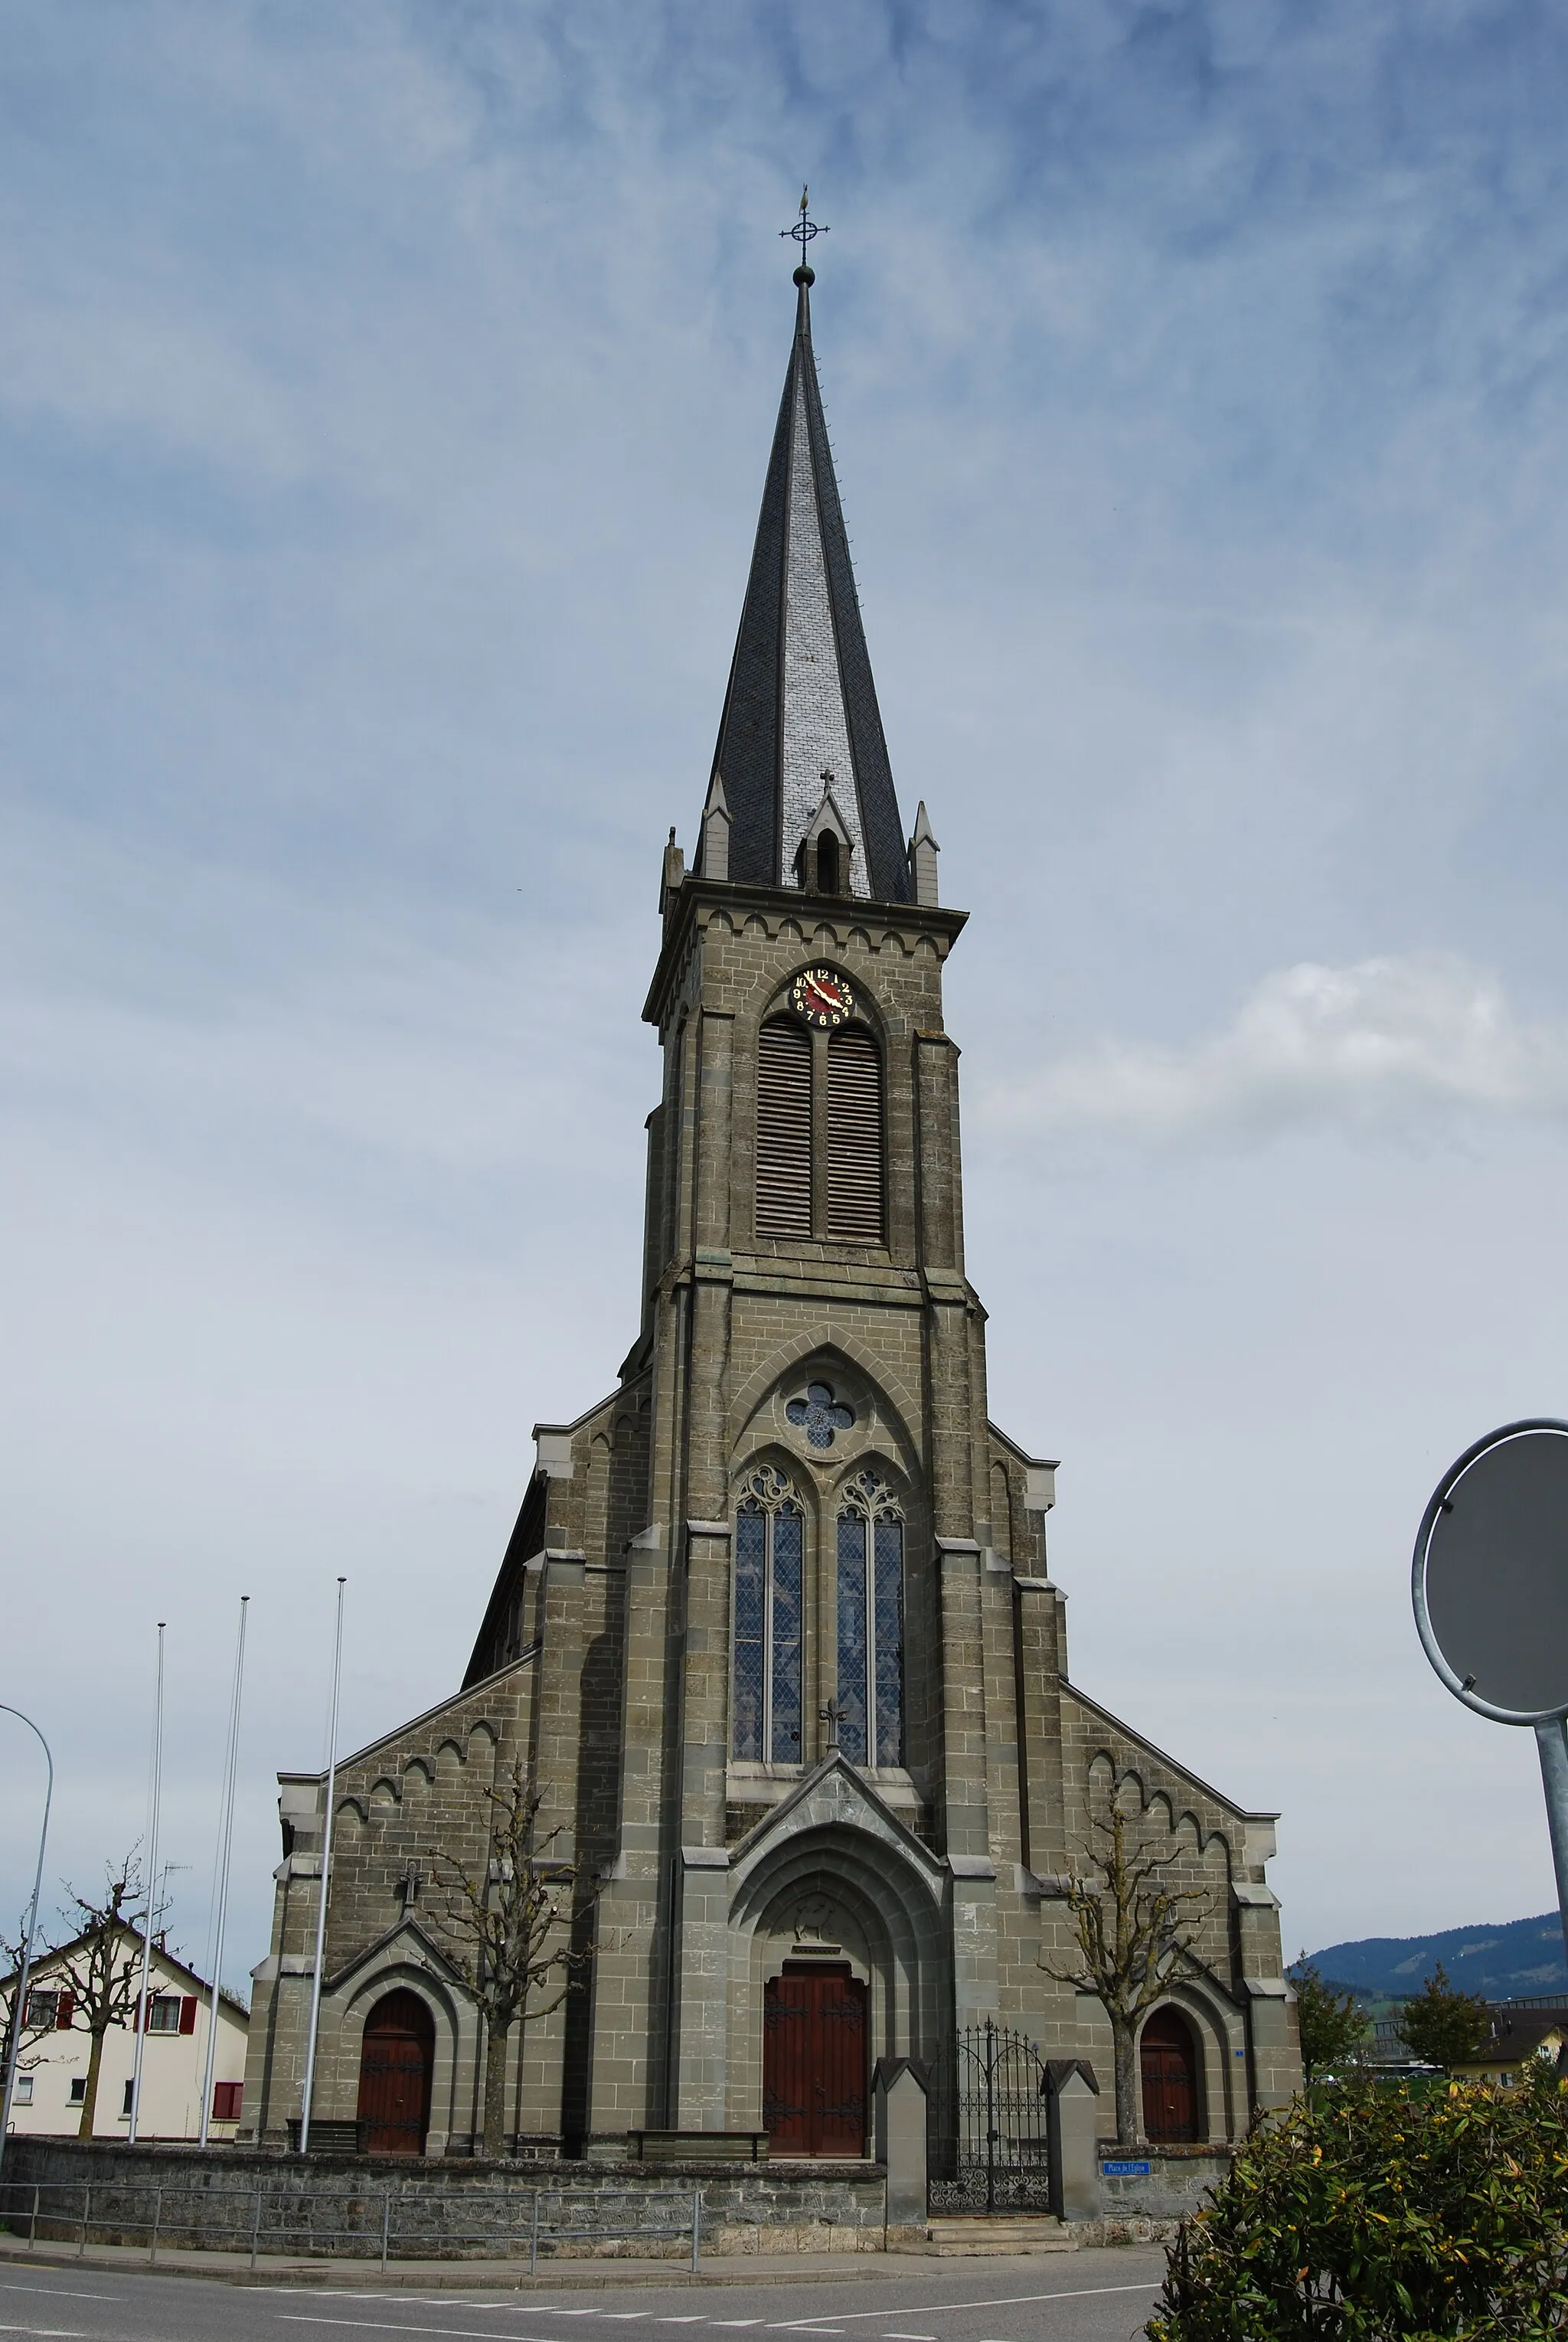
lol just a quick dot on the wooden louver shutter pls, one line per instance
(855, 1213)
(783, 1129)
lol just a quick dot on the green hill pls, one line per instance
(1510, 1961)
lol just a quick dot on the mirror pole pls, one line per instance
(1554, 1746)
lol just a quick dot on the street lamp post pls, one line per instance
(19, 2013)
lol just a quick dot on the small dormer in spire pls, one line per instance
(825, 858)
(801, 700)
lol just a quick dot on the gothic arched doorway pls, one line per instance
(1167, 2057)
(814, 2060)
(397, 2063)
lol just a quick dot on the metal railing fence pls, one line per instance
(391, 2226)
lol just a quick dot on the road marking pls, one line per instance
(61, 2333)
(373, 2326)
(625, 2313)
(1079, 2293)
(908, 2338)
(61, 2292)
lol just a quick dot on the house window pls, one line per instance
(163, 2012)
(870, 1623)
(769, 1574)
(77, 2095)
(23, 2094)
(129, 2099)
(42, 2011)
(227, 2098)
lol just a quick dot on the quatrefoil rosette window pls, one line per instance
(820, 1415)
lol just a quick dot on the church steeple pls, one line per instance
(801, 724)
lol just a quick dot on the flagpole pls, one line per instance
(225, 1841)
(151, 1894)
(19, 2012)
(326, 1883)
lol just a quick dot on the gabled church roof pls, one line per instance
(801, 717)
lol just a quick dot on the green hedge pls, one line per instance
(1384, 2213)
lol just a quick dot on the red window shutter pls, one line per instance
(64, 2008)
(188, 2013)
(226, 2099)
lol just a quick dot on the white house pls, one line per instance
(52, 2068)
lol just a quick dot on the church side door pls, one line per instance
(1169, 2083)
(397, 2063)
(815, 2062)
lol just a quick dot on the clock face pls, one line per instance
(821, 997)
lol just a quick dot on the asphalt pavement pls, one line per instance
(1094, 2296)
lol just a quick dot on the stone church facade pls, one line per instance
(775, 1630)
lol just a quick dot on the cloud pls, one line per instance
(1391, 1047)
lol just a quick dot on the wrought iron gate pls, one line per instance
(989, 2113)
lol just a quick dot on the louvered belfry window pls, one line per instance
(854, 1137)
(783, 1129)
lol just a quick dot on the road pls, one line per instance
(1086, 2296)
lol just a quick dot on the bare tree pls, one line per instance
(1132, 1930)
(510, 1928)
(99, 1965)
(11, 1950)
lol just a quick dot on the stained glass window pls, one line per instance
(871, 1624)
(770, 1574)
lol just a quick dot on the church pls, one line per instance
(776, 1634)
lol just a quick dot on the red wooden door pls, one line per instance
(396, 2059)
(1169, 2077)
(815, 2062)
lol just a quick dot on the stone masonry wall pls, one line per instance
(335, 2204)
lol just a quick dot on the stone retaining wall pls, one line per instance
(330, 2204)
(1177, 2183)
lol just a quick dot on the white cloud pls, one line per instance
(1388, 1046)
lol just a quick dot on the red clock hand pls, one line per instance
(828, 999)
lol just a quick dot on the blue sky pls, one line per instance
(385, 396)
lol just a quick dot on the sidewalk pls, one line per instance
(510, 2276)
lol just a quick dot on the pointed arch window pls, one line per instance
(770, 1574)
(821, 1149)
(870, 1622)
(784, 1128)
(854, 1137)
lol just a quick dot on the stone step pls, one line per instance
(969, 2232)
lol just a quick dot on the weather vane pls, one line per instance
(804, 229)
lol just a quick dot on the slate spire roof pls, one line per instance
(801, 719)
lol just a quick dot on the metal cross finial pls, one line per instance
(804, 229)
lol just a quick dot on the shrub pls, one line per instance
(1383, 2214)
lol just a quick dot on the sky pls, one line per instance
(384, 398)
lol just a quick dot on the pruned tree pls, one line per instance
(1331, 2026)
(1132, 1931)
(1443, 2026)
(509, 1928)
(99, 1965)
(12, 1946)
